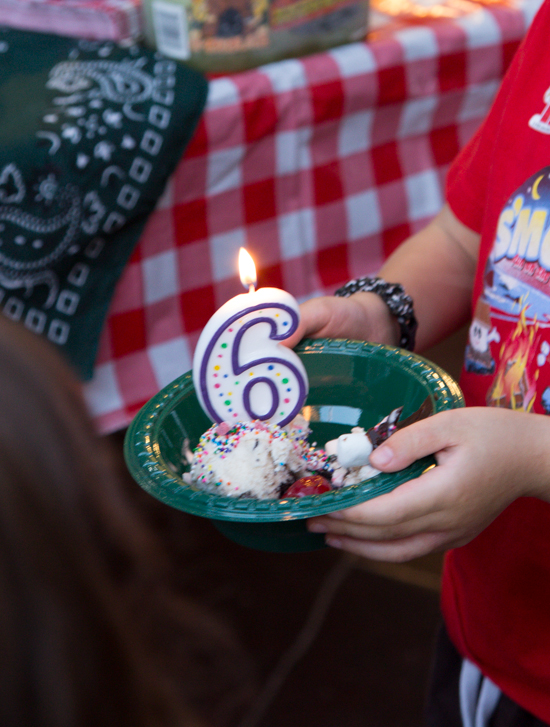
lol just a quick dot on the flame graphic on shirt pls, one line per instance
(514, 386)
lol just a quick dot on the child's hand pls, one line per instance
(362, 317)
(486, 459)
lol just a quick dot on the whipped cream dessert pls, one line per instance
(265, 461)
(254, 459)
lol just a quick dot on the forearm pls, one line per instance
(531, 445)
(436, 267)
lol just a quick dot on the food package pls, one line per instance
(225, 36)
(117, 20)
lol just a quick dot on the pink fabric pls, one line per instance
(116, 20)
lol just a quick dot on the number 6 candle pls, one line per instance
(240, 370)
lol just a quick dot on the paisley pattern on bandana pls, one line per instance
(89, 133)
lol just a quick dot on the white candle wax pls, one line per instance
(240, 370)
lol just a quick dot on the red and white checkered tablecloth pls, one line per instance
(320, 166)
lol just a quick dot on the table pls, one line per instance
(320, 166)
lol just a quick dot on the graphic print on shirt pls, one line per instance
(478, 351)
(509, 338)
(541, 122)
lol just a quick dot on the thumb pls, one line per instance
(315, 314)
(411, 443)
(296, 337)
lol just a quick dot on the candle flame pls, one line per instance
(247, 270)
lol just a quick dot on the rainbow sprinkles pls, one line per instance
(254, 459)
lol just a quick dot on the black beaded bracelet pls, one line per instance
(394, 296)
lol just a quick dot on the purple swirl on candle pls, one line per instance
(239, 369)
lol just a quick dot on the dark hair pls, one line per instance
(81, 586)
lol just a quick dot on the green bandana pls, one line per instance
(89, 134)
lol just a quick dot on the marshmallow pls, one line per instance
(331, 447)
(354, 449)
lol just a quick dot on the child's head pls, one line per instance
(75, 560)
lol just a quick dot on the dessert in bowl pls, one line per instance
(351, 384)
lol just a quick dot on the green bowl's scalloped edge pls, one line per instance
(153, 473)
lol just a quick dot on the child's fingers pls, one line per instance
(411, 443)
(314, 316)
(397, 551)
(421, 500)
(426, 522)
(333, 317)
(411, 500)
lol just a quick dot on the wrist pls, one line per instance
(398, 304)
(382, 325)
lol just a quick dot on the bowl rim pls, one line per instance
(153, 473)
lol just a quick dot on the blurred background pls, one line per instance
(328, 639)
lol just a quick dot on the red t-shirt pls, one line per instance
(496, 589)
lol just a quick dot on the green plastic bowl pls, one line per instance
(351, 383)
